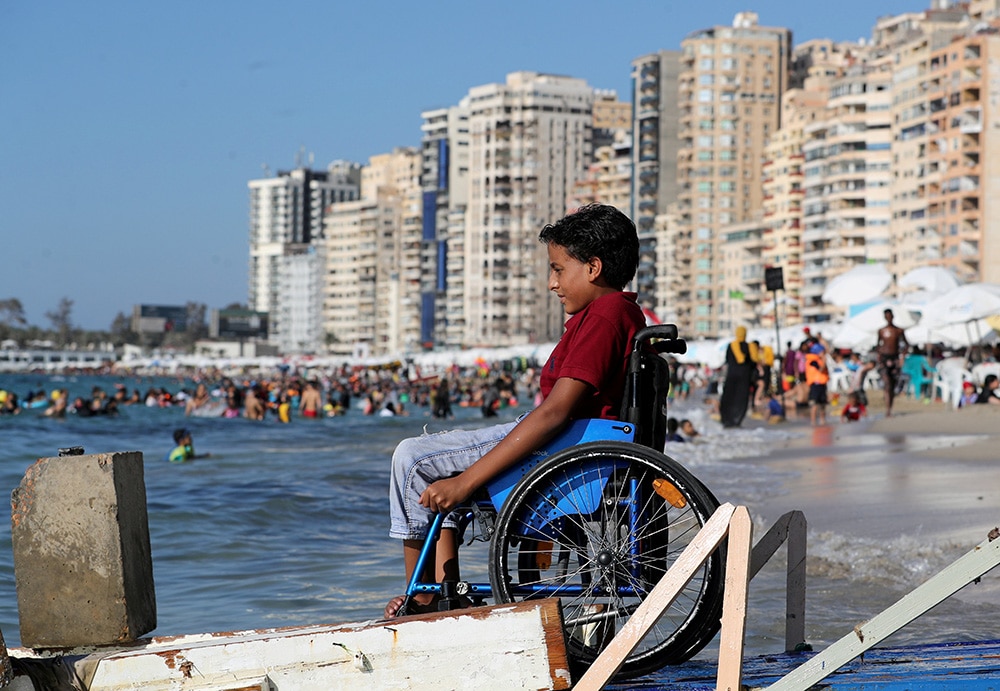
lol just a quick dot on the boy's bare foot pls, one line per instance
(416, 606)
(392, 608)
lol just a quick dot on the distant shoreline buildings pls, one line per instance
(739, 152)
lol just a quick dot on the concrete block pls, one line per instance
(82, 561)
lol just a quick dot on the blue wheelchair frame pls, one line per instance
(588, 496)
(642, 421)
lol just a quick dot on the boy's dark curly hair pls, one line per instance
(602, 231)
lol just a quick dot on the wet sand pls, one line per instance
(929, 470)
(889, 503)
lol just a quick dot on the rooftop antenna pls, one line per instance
(298, 156)
(267, 169)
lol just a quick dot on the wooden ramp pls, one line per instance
(514, 646)
(840, 666)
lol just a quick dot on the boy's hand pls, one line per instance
(444, 495)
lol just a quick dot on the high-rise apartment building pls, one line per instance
(963, 199)
(608, 178)
(444, 179)
(286, 218)
(729, 93)
(655, 149)
(814, 65)
(846, 183)
(299, 306)
(910, 40)
(373, 252)
(741, 273)
(529, 142)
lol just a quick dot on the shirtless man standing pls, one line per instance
(311, 402)
(891, 345)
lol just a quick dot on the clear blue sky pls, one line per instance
(129, 130)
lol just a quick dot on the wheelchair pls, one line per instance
(596, 518)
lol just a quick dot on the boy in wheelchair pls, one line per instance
(593, 254)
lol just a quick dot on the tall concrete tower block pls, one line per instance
(82, 561)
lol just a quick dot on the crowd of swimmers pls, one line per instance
(382, 392)
(797, 385)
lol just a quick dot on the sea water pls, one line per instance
(286, 524)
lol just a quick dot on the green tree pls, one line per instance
(62, 323)
(12, 312)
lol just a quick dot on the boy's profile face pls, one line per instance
(571, 279)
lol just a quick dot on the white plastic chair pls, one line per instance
(948, 384)
(980, 371)
(840, 380)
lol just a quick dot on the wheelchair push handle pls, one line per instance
(667, 340)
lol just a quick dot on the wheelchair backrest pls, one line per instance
(648, 383)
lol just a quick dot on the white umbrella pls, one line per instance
(952, 335)
(965, 303)
(860, 284)
(862, 328)
(933, 279)
(916, 301)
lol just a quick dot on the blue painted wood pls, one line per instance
(959, 666)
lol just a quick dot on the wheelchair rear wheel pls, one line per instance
(598, 525)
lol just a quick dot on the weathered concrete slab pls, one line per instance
(82, 561)
(515, 646)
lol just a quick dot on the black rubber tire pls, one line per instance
(593, 551)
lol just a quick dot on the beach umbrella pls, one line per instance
(917, 300)
(960, 335)
(933, 279)
(965, 303)
(860, 284)
(860, 331)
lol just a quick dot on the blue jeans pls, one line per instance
(420, 461)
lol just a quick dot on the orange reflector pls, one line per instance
(543, 559)
(669, 492)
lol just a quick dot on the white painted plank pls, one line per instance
(658, 600)
(518, 645)
(985, 556)
(734, 602)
